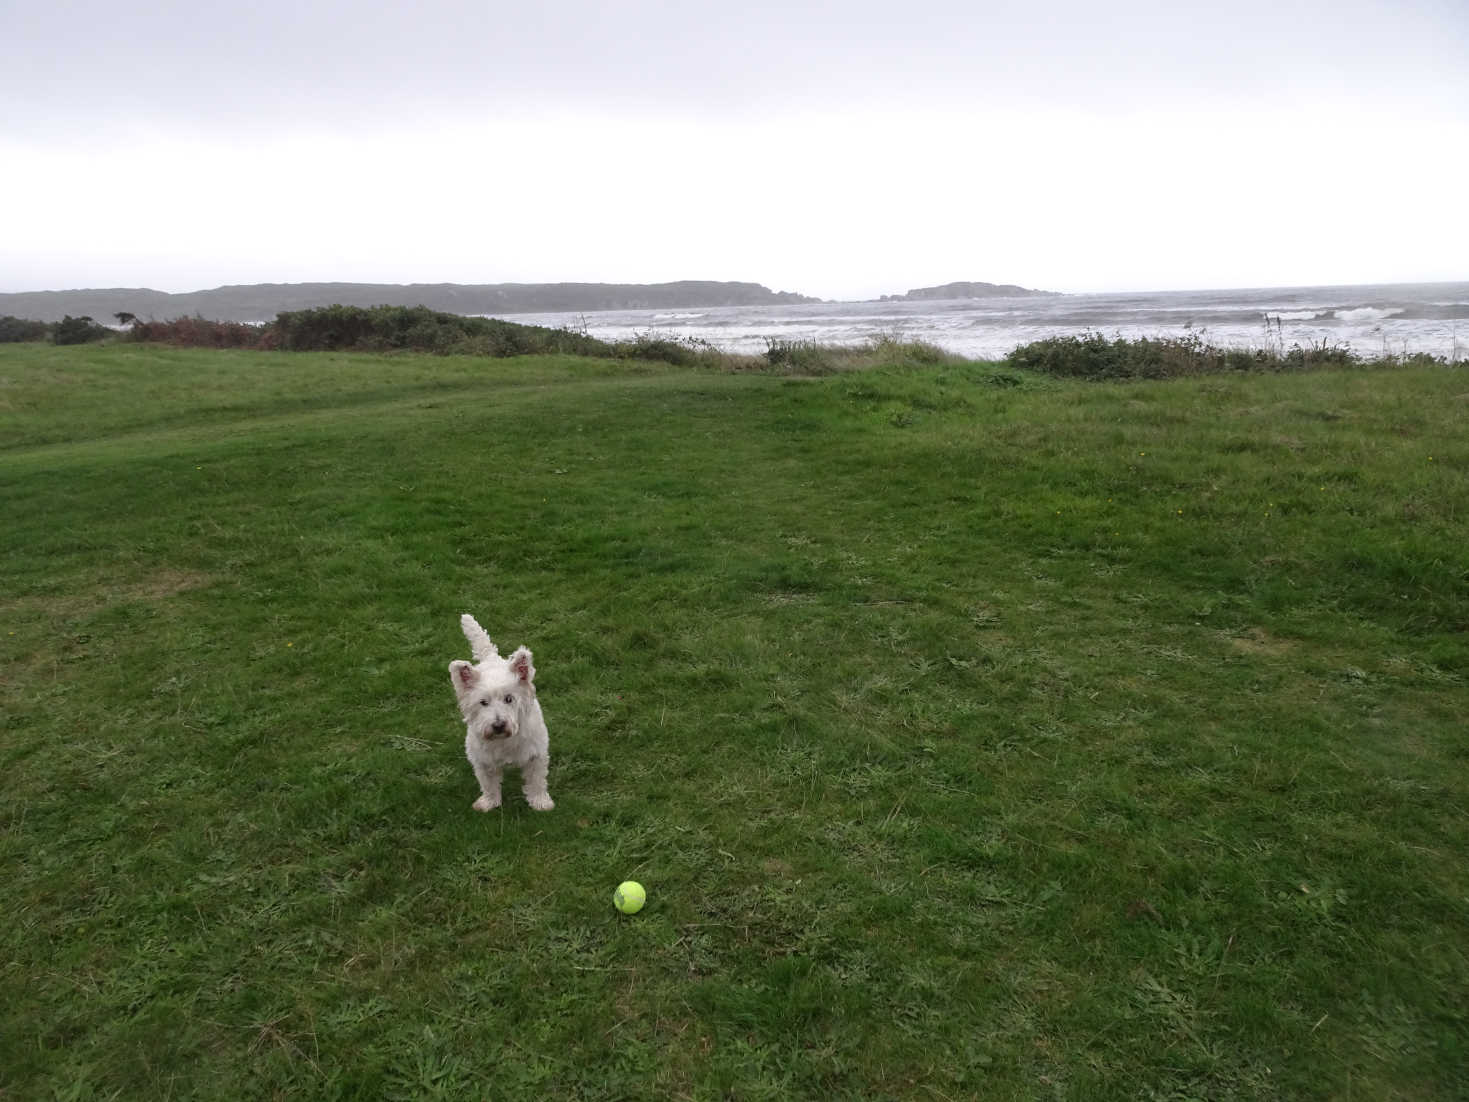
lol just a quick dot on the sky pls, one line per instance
(843, 149)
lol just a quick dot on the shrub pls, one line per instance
(1322, 355)
(82, 330)
(683, 351)
(884, 350)
(386, 328)
(800, 357)
(1093, 356)
(890, 348)
(199, 333)
(14, 330)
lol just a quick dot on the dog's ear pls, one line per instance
(520, 665)
(464, 676)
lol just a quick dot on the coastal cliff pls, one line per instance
(263, 301)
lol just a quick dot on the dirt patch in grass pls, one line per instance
(164, 583)
(774, 866)
(158, 586)
(1260, 641)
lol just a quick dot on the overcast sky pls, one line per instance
(840, 149)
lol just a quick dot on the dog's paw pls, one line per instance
(485, 803)
(542, 802)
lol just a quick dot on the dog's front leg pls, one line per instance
(533, 784)
(489, 785)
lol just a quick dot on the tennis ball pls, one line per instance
(629, 897)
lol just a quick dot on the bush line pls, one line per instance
(1093, 356)
(419, 329)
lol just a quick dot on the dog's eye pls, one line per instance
(509, 699)
(485, 703)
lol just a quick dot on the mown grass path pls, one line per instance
(974, 735)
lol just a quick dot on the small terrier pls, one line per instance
(502, 717)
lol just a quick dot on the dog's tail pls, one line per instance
(479, 639)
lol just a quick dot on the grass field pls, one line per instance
(975, 735)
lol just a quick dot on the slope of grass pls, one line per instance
(973, 734)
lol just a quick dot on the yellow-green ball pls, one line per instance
(629, 897)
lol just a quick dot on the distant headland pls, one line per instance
(263, 301)
(965, 290)
(260, 302)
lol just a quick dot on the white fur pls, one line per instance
(502, 719)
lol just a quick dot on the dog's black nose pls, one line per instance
(498, 727)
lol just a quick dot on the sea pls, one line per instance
(1398, 319)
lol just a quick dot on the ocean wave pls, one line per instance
(1202, 317)
(1436, 311)
(1368, 318)
(1367, 313)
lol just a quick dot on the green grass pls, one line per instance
(974, 734)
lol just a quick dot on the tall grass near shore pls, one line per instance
(975, 733)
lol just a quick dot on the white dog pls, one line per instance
(502, 717)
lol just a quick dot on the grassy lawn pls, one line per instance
(974, 734)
